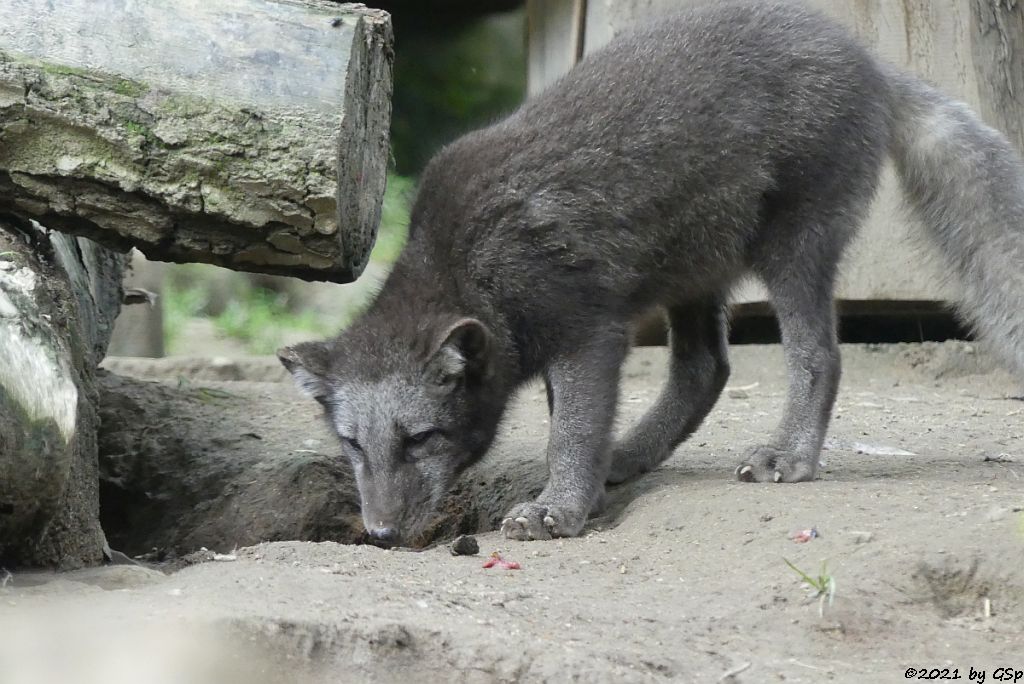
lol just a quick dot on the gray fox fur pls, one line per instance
(742, 138)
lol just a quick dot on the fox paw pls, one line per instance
(533, 520)
(768, 464)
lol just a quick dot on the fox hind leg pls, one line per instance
(807, 321)
(798, 267)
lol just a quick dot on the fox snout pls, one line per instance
(386, 536)
(397, 508)
(384, 529)
(400, 526)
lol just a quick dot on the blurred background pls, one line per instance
(459, 65)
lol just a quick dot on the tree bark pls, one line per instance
(250, 134)
(59, 296)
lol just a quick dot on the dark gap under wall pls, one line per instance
(859, 322)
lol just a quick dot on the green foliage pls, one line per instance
(822, 587)
(394, 219)
(261, 320)
(180, 303)
(450, 79)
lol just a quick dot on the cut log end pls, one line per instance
(267, 154)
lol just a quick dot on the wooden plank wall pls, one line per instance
(556, 40)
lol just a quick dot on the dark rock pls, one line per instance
(465, 545)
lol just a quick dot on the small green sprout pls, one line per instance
(822, 587)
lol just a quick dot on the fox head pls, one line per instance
(410, 414)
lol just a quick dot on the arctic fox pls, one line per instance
(740, 138)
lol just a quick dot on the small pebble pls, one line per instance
(465, 545)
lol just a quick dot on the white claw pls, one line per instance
(744, 470)
(778, 476)
(522, 521)
(549, 522)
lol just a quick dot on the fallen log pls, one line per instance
(251, 134)
(59, 296)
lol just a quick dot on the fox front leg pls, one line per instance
(584, 392)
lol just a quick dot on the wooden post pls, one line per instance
(140, 327)
(556, 40)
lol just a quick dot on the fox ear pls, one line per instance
(464, 350)
(308, 363)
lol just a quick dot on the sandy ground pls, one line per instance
(919, 511)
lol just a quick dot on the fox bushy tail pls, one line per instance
(966, 182)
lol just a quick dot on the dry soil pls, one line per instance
(918, 511)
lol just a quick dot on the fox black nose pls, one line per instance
(387, 535)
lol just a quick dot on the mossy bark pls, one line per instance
(244, 133)
(59, 296)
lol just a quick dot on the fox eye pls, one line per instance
(421, 437)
